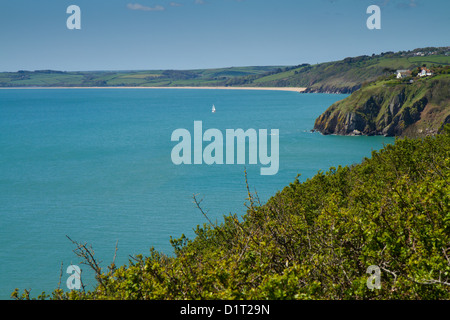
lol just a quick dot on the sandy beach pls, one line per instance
(294, 89)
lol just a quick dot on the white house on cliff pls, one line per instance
(424, 72)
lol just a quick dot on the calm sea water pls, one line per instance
(95, 165)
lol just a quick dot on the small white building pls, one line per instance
(403, 74)
(425, 72)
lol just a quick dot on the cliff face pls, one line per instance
(390, 108)
(332, 89)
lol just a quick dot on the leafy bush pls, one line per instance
(313, 240)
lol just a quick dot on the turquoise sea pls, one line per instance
(95, 165)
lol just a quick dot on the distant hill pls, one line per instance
(349, 74)
(149, 78)
(343, 76)
(412, 106)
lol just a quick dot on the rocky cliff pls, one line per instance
(392, 108)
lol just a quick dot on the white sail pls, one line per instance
(213, 109)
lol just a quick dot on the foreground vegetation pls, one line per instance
(313, 240)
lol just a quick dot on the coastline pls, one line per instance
(292, 89)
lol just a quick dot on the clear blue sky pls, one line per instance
(188, 34)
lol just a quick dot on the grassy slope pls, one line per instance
(349, 74)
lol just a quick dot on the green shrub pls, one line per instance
(313, 240)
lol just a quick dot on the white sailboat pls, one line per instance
(213, 109)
